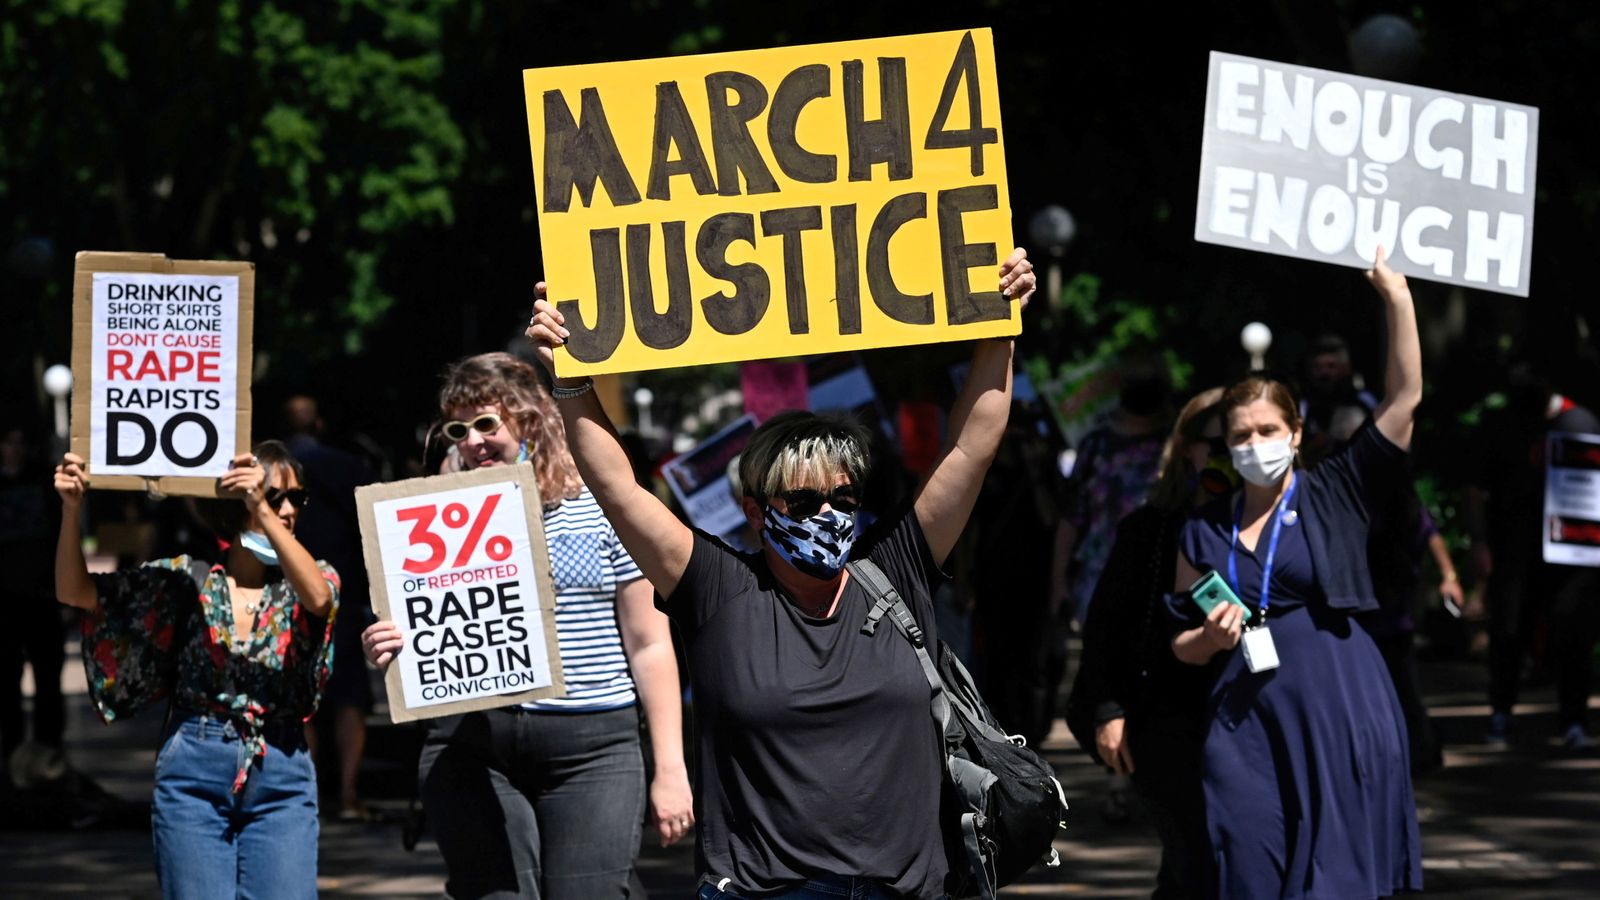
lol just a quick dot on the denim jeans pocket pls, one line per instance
(170, 747)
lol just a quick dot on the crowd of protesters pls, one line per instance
(1271, 742)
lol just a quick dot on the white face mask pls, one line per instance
(1264, 463)
(259, 546)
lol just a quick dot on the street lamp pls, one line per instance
(1255, 339)
(58, 384)
(642, 398)
(1052, 229)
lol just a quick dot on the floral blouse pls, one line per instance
(136, 651)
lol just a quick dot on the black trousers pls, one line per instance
(1567, 598)
(1166, 773)
(34, 635)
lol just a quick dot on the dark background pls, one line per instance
(372, 159)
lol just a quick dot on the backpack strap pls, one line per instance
(887, 600)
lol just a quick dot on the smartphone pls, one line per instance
(1212, 589)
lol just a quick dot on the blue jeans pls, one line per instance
(211, 842)
(533, 804)
(827, 887)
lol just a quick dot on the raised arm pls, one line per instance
(1402, 370)
(74, 587)
(656, 540)
(945, 499)
(248, 477)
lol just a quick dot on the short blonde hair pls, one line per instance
(797, 447)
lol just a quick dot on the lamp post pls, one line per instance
(642, 398)
(1255, 339)
(1052, 230)
(58, 384)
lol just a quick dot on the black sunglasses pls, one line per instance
(803, 503)
(457, 431)
(297, 497)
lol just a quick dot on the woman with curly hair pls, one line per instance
(546, 799)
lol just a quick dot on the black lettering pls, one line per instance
(510, 600)
(798, 88)
(593, 343)
(738, 312)
(450, 608)
(419, 611)
(416, 642)
(963, 67)
(885, 139)
(674, 127)
(790, 223)
(846, 268)
(494, 632)
(516, 630)
(731, 143)
(428, 671)
(660, 331)
(963, 305)
(480, 598)
(147, 442)
(576, 156)
(908, 308)
(516, 658)
(170, 448)
(477, 664)
(450, 639)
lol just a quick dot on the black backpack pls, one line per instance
(1002, 804)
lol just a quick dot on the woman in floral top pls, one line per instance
(243, 650)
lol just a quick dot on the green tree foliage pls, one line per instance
(309, 138)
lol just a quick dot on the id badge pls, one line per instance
(1260, 654)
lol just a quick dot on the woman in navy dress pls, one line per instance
(1307, 784)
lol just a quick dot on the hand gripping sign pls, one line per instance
(161, 358)
(460, 563)
(769, 203)
(1326, 166)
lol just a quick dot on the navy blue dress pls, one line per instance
(1307, 782)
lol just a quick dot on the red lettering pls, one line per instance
(118, 362)
(210, 361)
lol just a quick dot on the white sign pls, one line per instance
(1326, 166)
(699, 479)
(1572, 499)
(466, 578)
(165, 375)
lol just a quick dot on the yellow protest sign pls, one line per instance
(769, 203)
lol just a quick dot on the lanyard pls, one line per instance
(1272, 547)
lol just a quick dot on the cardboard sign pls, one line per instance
(1572, 499)
(1080, 398)
(460, 563)
(1326, 166)
(770, 388)
(699, 479)
(161, 358)
(769, 203)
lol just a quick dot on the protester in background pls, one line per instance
(243, 651)
(330, 529)
(547, 799)
(1506, 517)
(33, 632)
(1308, 790)
(1115, 468)
(1333, 392)
(1134, 707)
(1010, 536)
(820, 772)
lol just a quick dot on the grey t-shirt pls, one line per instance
(817, 750)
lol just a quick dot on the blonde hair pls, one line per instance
(503, 381)
(1173, 490)
(796, 447)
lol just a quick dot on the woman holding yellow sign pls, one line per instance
(546, 799)
(819, 770)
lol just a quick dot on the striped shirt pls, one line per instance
(588, 564)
